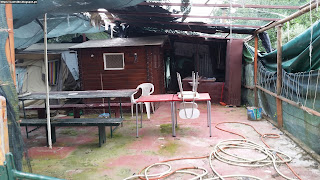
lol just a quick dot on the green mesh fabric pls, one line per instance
(301, 87)
(295, 53)
(8, 90)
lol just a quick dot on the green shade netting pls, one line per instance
(295, 53)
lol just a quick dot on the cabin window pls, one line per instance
(113, 61)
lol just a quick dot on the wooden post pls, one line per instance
(9, 46)
(4, 137)
(255, 70)
(279, 76)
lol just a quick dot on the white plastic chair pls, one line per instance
(147, 89)
(189, 110)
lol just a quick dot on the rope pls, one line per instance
(220, 153)
(310, 51)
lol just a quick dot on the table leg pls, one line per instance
(120, 108)
(109, 107)
(173, 120)
(175, 113)
(121, 114)
(141, 108)
(102, 135)
(137, 119)
(25, 117)
(209, 116)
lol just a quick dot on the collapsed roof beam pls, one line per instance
(193, 28)
(200, 29)
(192, 16)
(221, 5)
(189, 23)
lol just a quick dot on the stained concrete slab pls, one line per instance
(125, 155)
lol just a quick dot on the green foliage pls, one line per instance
(292, 28)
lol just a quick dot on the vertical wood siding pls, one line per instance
(149, 67)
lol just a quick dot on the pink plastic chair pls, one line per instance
(147, 89)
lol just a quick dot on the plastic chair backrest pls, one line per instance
(147, 88)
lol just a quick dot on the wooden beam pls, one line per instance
(221, 5)
(308, 110)
(9, 46)
(255, 70)
(279, 76)
(117, 12)
(292, 16)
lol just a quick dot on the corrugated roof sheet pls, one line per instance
(51, 47)
(123, 42)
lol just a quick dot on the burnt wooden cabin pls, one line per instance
(122, 63)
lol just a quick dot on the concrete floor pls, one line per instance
(76, 154)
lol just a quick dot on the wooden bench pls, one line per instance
(100, 122)
(77, 107)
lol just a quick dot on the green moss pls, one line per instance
(169, 148)
(114, 135)
(88, 159)
(69, 131)
(167, 128)
(124, 172)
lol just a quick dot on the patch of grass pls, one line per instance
(167, 128)
(114, 135)
(86, 160)
(124, 172)
(69, 132)
(169, 148)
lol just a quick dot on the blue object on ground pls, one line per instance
(105, 115)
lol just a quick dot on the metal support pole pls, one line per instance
(279, 76)
(255, 70)
(47, 80)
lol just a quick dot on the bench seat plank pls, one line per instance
(71, 106)
(100, 122)
(73, 122)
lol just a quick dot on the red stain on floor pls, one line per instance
(132, 161)
(55, 152)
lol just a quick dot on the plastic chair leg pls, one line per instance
(131, 109)
(148, 109)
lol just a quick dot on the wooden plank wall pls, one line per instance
(149, 67)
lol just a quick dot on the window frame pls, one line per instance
(104, 61)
